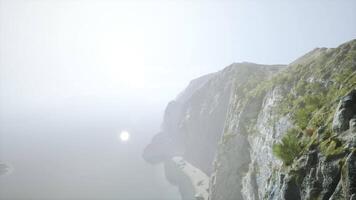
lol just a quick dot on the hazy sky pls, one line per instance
(74, 73)
(147, 51)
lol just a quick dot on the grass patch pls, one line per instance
(289, 148)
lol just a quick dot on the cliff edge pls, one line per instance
(266, 131)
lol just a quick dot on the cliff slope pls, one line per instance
(294, 131)
(267, 132)
(193, 123)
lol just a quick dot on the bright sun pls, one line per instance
(124, 136)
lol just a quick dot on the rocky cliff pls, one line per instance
(267, 132)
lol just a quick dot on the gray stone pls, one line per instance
(349, 175)
(290, 190)
(346, 110)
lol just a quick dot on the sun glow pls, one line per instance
(124, 136)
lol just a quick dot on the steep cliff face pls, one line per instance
(300, 100)
(268, 132)
(194, 122)
(170, 141)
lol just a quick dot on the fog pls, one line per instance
(75, 73)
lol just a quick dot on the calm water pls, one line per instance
(75, 153)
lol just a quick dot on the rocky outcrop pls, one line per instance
(169, 142)
(303, 97)
(319, 174)
(228, 125)
(194, 122)
(346, 111)
(308, 106)
(192, 182)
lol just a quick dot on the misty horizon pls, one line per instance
(84, 85)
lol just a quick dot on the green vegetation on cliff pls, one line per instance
(311, 89)
(288, 148)
(313, 86)
(292, 114)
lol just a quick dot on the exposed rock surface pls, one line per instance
(346, 110)
(194, 122)
(227, 124)
(196, 182)
(304, 97)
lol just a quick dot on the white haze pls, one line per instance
(74, 73)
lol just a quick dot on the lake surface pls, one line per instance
(74, 153)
